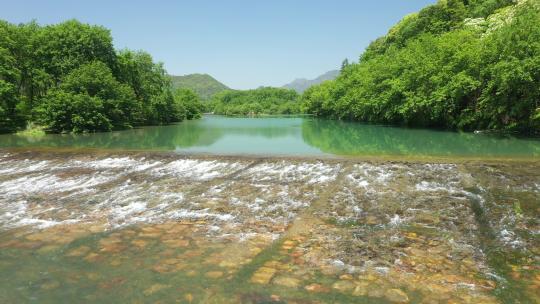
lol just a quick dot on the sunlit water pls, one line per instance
(291, 136)
(212, 225)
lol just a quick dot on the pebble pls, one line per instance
(286, 281)
(263, 275)
(50, 285)
(214, 274)
(343, 286)
(396, 296)
(154, 288)
(176, 243)
(79, 251)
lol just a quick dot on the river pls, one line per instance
(269, 210)
(291, 136)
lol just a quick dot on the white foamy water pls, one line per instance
(197, 169)
(49, 183)
(125, 163)
(24, 166)
(311, 173)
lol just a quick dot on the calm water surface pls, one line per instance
(290, 136)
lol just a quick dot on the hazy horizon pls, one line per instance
(240, 43)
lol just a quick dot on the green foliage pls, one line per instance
(440, 18)
(64, 111)
(151, 87)
(255, 102)
(432, 70)
(64, 47)
(202, 84)
(96, 80)
(188, 102)
(77, 63)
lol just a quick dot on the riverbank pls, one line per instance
(148, 226)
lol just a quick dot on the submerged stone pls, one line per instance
(214, 274)
(263, 275)
(155, 288)
(316, 288)
(396, 296)
(79, 251)
(286, 281)
(343, 285)
(50, 285)
(140, 243)
(176, 243)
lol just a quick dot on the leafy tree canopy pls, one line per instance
(457, 64)
(264, 100)
(61, 75)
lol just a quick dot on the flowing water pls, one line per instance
(118, 226)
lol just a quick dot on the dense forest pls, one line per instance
(259, 101)
(69, 78)
(457, 64)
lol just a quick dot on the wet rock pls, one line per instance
(316, 288)
(112, 283)
(64, 239)
(360, 290)
(160, 268)
(396, 296)
(288, 245)
(214, 274)
(150, 235)
(92, 257)
(140, 243)
(154, 288)
(50, 285)
(371, 220)
(176, 243)
(115, 262)
(113, 248)
(48, 249)
(346, 277)
(375, 292)
(263, 275)
(172, 261)
(427, 218)
(286, 281)
(343, 286)
(79, 251)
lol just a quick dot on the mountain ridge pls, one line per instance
(203, 84)
(302, 84)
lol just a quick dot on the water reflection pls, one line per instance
(288, 136)
(347, 138)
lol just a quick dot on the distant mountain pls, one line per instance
(302, 84)
(203, 84)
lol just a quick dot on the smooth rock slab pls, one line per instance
(263, 275)
(396, 296)
(287, 281)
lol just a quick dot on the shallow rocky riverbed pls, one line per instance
(164, 228)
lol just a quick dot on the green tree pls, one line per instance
(151, 85)
(62, 111)
(438, 69)
(264, 100)
(66, 46)
(344, 64)
(189, 102)
(95, 79)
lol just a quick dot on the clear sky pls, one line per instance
(242, 43)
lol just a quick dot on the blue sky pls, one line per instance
(244, 44)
